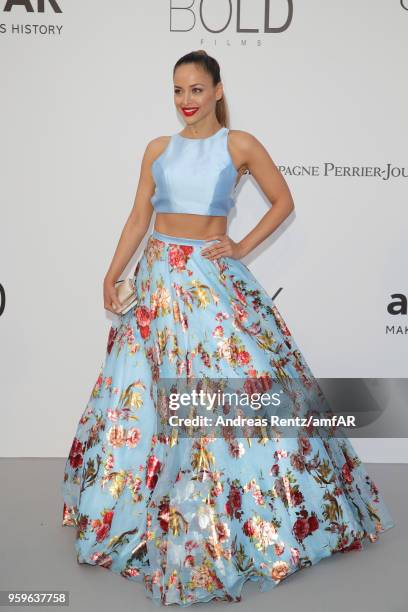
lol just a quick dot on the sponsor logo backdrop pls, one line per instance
(85, 86)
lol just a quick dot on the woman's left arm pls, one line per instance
(253, 155)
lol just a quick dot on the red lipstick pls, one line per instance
(189, 111)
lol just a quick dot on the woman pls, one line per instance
(192, 514)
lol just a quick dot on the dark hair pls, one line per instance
(210, 65)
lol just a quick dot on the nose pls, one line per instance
(186, 100)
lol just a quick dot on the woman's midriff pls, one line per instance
(190, 226)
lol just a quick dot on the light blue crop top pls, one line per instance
(195, 176)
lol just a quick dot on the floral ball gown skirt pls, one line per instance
(193, 518)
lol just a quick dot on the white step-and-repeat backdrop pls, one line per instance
(86, 85)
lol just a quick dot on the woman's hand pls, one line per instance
(226, 247)
(110, 298)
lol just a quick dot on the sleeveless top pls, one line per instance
(195, 176)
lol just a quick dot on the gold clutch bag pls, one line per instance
(126, 292)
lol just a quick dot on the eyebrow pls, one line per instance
(202, 84)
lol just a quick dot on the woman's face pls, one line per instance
(195, 96)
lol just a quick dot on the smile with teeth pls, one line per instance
(190, 110)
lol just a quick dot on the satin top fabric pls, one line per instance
(195, 176)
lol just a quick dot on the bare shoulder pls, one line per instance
(243, 145)
(243, 140)
(156, 147)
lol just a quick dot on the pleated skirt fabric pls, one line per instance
(194, 518)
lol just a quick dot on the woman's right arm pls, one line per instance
(135, 227)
